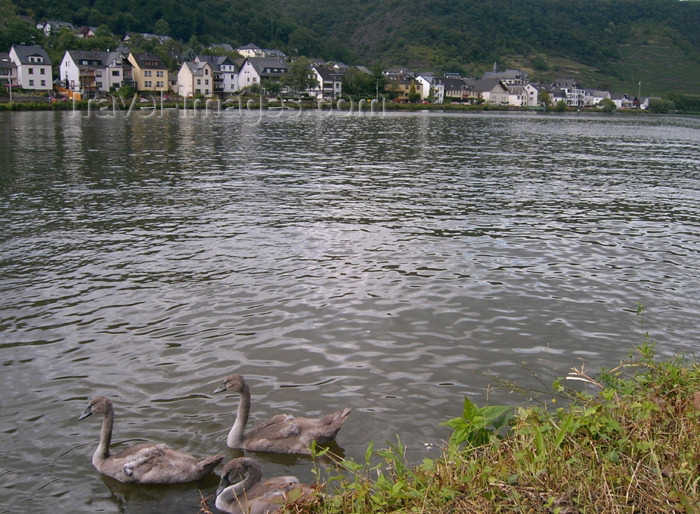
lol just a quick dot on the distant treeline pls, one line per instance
(433, 32)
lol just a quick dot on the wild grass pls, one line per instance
(631, 446)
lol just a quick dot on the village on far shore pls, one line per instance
(88, 74)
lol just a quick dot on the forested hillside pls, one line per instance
(598, 39)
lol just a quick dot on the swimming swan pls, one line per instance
(241, 491)
(282, 433)
(145, 463)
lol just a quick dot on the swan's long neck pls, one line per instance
(102, 452)
(234, 495)
(235, 436)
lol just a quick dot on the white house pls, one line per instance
(88, 70)
(329, 82)
(622, 100)
(493, 91)
(437, 85)
(33, 67)
(54, 26)
(256, 69)
(533, 95)
(250, 50)
(508, 77)
(575, 93)
(424, 85)
(593, 97)
(225, 73)
(517, 95)
(8, 70)
(195, 77)
(119, 71)
(83, 70)
(456, 89)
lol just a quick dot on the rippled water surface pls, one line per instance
(385, 262)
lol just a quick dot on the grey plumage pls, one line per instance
(146, 463)
(241, 489)
(282, 433)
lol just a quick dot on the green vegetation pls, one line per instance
(299, 77)
(607, 105)
(608, 45)
(633, 446)
(357, 84)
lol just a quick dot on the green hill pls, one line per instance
(613, 43)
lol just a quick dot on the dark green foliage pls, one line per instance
(466, 36)
(607, 105)
(660, 105)
(685, 103)
(358, 84)
(300, 76)
(560, 106)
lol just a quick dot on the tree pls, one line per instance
(299, 77)
(272, 86)
(413, 95)
(378, 79)
(607, 105)
(357, 84)
(660, 105)
(162, 27)
(545, 99)
(560, 106)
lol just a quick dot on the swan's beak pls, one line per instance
(223, 484)
(220, 389)
(88, 412)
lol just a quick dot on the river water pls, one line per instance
(389, 262)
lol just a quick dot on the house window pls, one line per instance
(199, 82)
(159, 73)
(30, 71)
(159, 84)
(42, 71)
(43, 83)
(115, 73)
(31, 83)
(148, 83)
(147, 73)
(206, 82)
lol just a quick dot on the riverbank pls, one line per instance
(28, 103)
(631, 445)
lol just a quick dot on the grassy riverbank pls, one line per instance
(682, 104)
(631, 444)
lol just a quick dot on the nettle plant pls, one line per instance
(478, 426)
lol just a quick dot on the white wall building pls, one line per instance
(225, 73)
(33, 67)
(195, 78)
(255, 69)
(88, 70)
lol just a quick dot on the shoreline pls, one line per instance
(254, 104)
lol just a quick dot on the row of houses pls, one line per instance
(93, 73)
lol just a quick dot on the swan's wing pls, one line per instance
(277, 427)
(143, 459)
(273, 493)
(324, 429)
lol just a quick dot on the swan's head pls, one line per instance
(98, 405)
(234, 383)
(236, 471)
